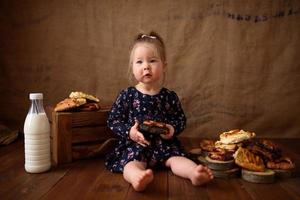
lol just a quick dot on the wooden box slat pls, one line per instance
(84, 118)
(91, 133)
(62, 139)
(97, 118)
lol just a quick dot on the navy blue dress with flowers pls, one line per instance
(133, 105)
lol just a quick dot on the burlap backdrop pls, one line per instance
(234, 64)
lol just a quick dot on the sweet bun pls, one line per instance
(235, 136)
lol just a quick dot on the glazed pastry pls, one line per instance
(248, 160)
(76, 95)
(235, 136)
(69, 103)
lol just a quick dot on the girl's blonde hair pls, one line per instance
(151, 38)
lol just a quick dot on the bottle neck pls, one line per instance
(36, 106)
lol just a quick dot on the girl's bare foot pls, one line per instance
(142, 179)
(201, 175)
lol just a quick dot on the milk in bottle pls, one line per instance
(37, 136)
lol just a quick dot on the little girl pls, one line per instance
(148, 100)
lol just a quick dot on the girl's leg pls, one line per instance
(186, 168)
(137, 175)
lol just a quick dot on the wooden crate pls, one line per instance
(76, 135)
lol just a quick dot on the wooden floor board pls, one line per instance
(88, 179)
(107, 185)
(266, 191)
(291, 186)
(182, 189)
(18, 183)
(226, 189)
(11, 157)
(157, 190)
(22, 185)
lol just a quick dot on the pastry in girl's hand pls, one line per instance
(153, 127)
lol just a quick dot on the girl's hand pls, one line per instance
(170, 134)
(137, 136)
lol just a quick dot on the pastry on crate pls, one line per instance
(78, 101)
(89, 97)
(69, 103)
(89, 106)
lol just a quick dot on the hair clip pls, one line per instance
(148, 36)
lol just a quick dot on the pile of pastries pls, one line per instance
(78, 101)
(245, 151)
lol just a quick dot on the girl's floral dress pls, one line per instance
(133, 105)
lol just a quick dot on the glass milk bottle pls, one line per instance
(37, 136)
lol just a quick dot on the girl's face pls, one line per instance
(147, 65)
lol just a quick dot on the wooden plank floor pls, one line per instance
(88, 179)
